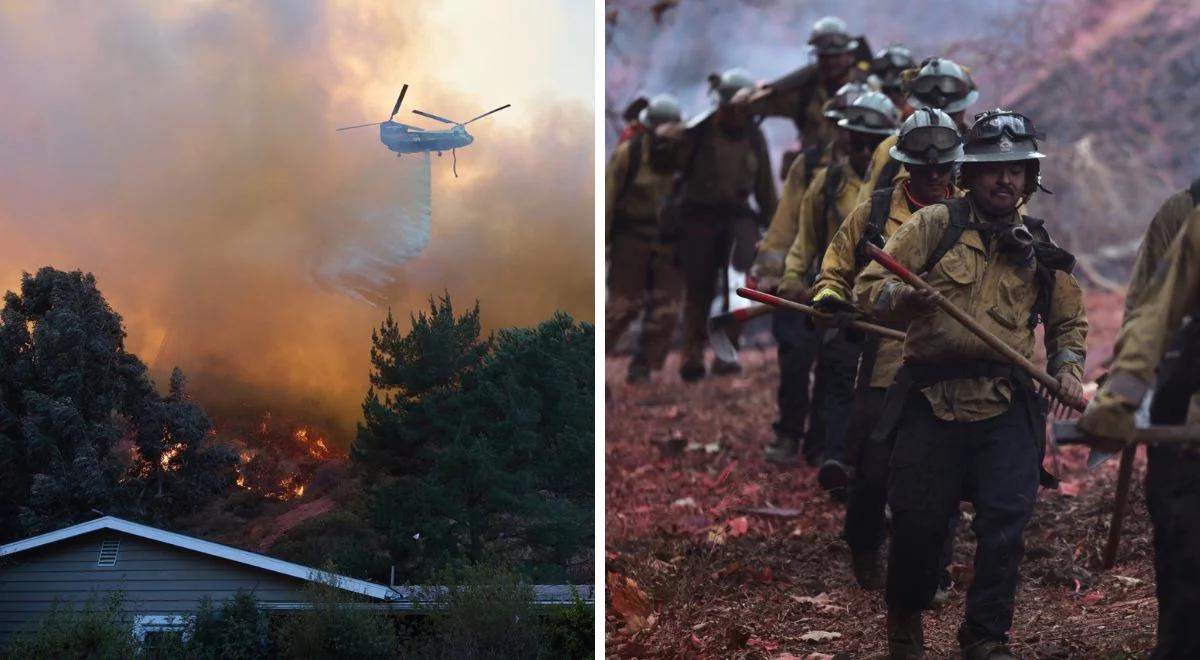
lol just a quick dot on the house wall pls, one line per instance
(153, 578)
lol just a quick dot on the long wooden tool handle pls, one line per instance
(776, 301)
(1124, 476)
(746, 313)
(889, 262)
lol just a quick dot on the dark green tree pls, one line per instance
(74, 405)
(477, 448)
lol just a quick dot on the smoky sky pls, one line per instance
(185, 154)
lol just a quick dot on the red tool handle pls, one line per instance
(776, 301)
(889, 262)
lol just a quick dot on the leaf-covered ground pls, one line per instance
(712, 552)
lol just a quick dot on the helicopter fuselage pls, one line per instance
(399, 138)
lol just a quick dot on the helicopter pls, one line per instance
(407, 139)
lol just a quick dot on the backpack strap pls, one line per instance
(833, 182)
(812, 160)
(881, 202)
(1194, 189)
(1049, 258)
(886, 173)
(960, 215)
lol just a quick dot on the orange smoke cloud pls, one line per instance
(185, 154)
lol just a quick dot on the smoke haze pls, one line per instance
(185, 154)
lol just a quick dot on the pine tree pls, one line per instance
(476, 448)
(69, 392)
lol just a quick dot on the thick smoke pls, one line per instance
(185, 154)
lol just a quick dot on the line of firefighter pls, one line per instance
(940, 417)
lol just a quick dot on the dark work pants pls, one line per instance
(836, 368)
(864, 524)
(798, 345)
(704, 253)
(994, 464)
(1173, 498)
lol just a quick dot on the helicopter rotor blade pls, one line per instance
(506, 105)
(399, 100)
(434, 117)
(346, 128)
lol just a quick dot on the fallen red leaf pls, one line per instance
(739, 526)
(629, 601)
(1093, 597)
(765, 575)
(724, 476)
(760, 643)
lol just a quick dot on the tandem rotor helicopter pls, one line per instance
(406, 139)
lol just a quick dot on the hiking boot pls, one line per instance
(868, 570)
(977, 648)
(637, 374)
(942, 594)
(834, 477)
(784, 450)
(692, 371)
(726, 368)
(905, 638)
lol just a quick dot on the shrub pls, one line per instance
(98, 631)
(334, 627)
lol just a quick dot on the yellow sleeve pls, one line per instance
(878, 160)
(838, 266)
(1174, 291)
(614, 180)
(1163, 229)
(782, 230)
(1066, 328)
(804, 248)
(911, 245)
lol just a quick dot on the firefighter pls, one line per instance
(870, 119)
(967, 424)
(792, 334)
(929, 145)
(802, 95)
(887, 68)
(1161, 331)
(939, 83)
(644, 276)
(724, 163)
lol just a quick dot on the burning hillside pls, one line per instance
(276, 458)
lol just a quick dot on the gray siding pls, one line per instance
(153, 578)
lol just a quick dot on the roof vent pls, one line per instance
(108, 553)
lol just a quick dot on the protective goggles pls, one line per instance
(857, 115)
(992, 125)
(832, 43)
(920, 139)
(948, 86)
(891, 59)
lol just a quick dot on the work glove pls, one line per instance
(828, 300)
(911, 301)
(767, 270)
(794, 288)
(1109, 420)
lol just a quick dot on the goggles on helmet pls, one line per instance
(857, 115)
(920, 139)
(830, 43)
(992, 125)
(948, 86)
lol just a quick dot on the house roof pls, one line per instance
(401, 596)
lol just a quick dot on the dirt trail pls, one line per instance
(685, 463)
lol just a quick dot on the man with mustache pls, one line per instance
(929, 144)
(1161, 332)
(969, 425)
(644, 274)
(724, 162)
(867, 121)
